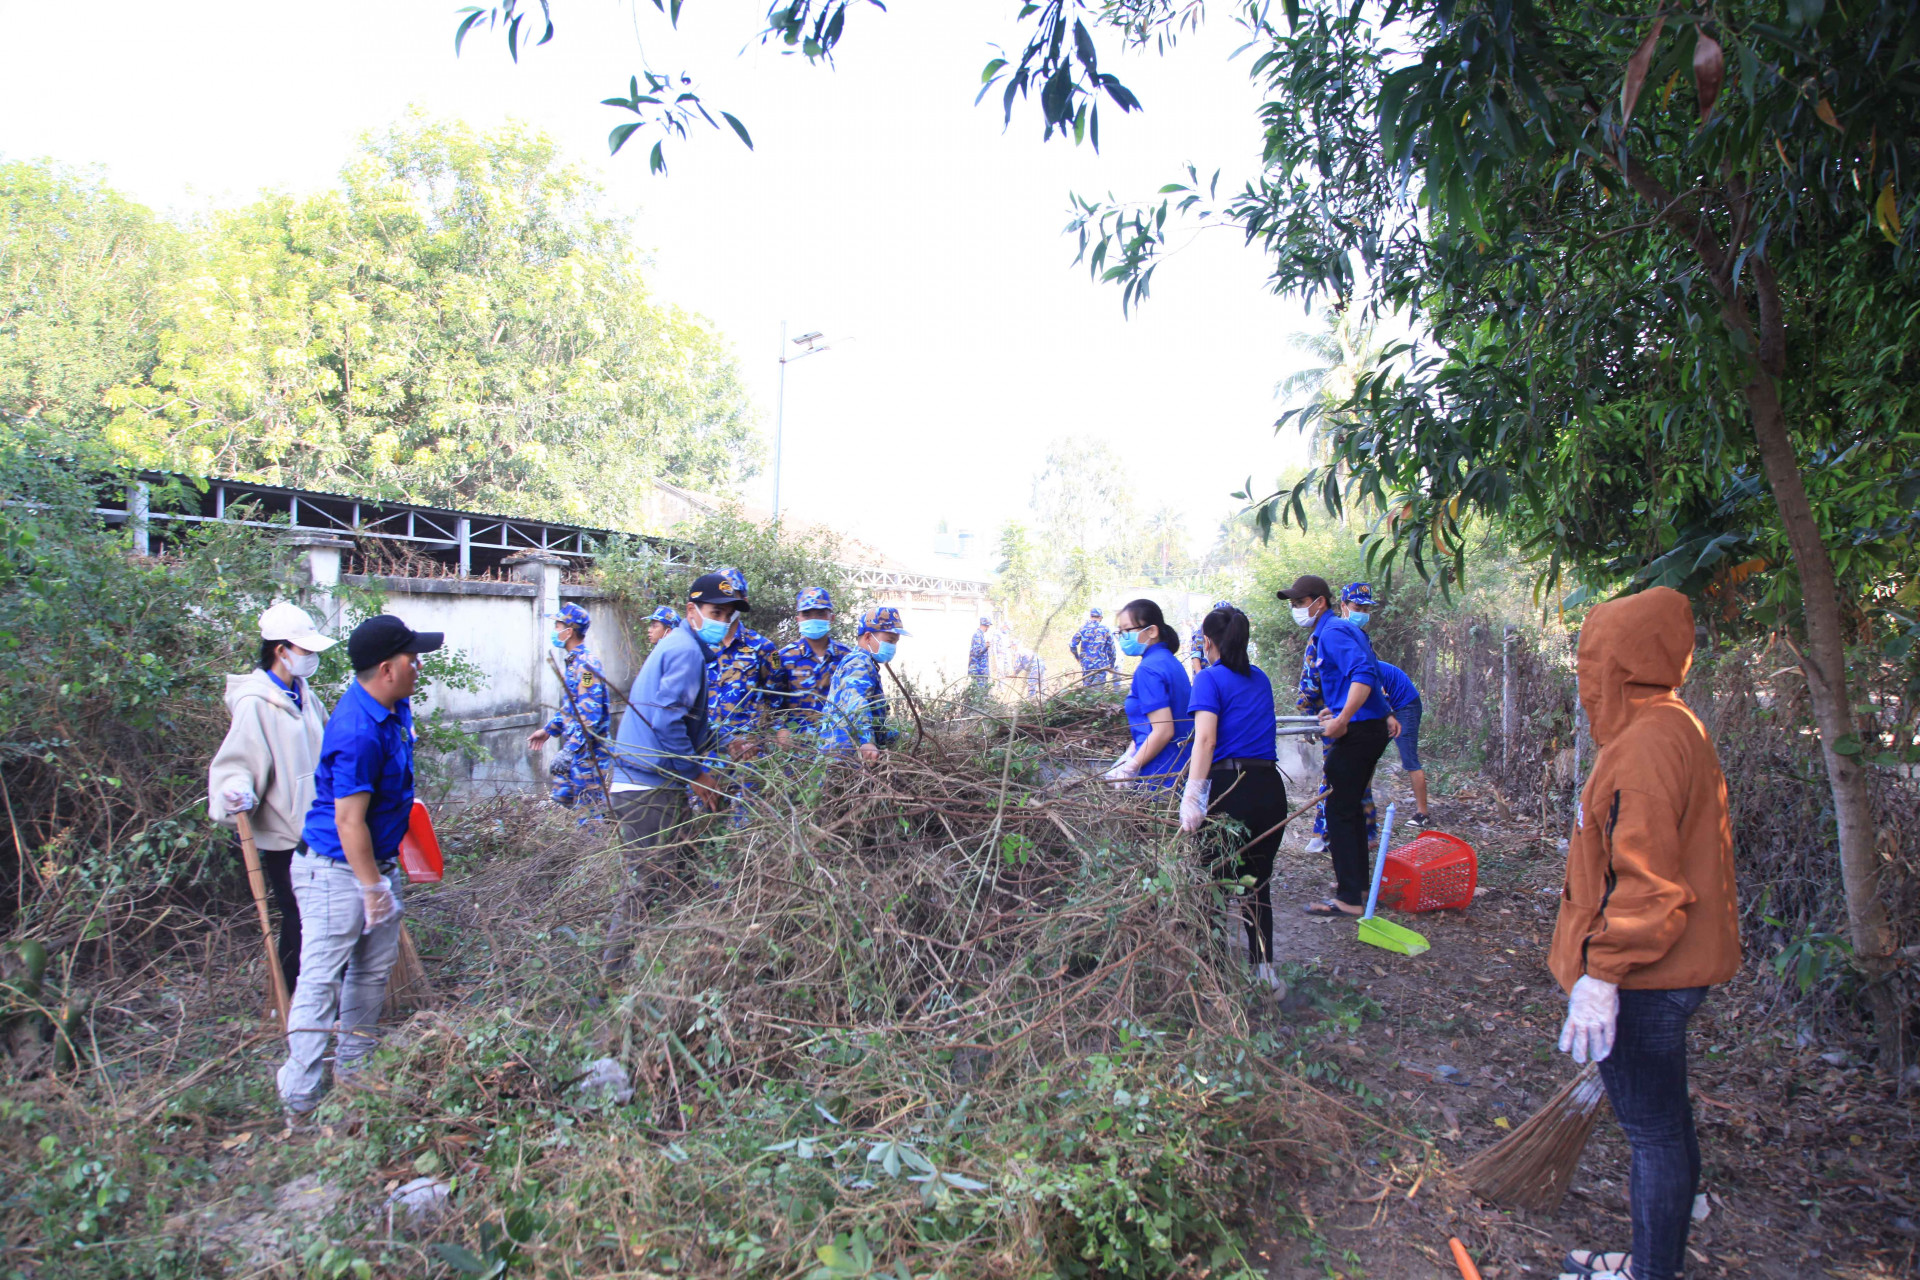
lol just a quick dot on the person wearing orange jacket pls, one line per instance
(1649, 917)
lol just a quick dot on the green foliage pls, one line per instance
(459, 322)
(778, 563)
(84, 275)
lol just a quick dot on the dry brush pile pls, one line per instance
(942, 1015)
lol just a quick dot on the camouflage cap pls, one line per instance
(811, 598)
(735, 580)
(1095, 612)
(882, 618)
(1357, 593)
(665, 616)
(574, 616)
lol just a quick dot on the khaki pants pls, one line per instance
(654, 857)
(343, 974)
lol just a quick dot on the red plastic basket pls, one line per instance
(420, 848)
(1432, 872)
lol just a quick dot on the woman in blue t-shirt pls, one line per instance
(1157, 700)
(1233, 775)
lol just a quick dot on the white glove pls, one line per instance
(378, 905)
(1593, 1008)
(1193, 804)
(239, 799)
(1123, 768)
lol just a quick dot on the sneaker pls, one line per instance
(1420, 820)
(1317, 845)
(299, 1121)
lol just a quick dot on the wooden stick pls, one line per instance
(258, 879)
(1462, 1259)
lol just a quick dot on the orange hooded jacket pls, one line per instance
(1649, 901)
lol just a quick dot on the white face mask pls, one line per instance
(1302, 616)
(303, 665)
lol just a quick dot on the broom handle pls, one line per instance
(1380, 864)
(258, 879)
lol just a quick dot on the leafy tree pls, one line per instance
(457, 324)
(1664, 261)
(83, 275)
(1347, 349)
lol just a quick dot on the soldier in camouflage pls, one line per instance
(980, 656)
(661, 621)
(583, 722)
(854, 721)
(1092, 645)
(1196, 652)
(806, 667)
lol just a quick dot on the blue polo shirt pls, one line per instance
(1244, 705)
(367, 747)
(1396, 685)
(1161, 682)
(1345, 657)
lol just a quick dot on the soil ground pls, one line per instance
(1810, 1158)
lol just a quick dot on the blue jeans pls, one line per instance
(343, 976)
(1646, 1079)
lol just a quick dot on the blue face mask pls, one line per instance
(1130, 644)
(1358, 619)
(886, 651)
(713, 632)
(815, 628)
(556, 641)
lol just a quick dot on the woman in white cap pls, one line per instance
(264, 768)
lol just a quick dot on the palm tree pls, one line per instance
(1166, 529)
(1346, 348)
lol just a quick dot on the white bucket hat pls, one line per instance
(290, 622)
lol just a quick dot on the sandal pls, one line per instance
(1589, 1262)
(1330, 909)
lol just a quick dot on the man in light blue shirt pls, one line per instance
(661, 752)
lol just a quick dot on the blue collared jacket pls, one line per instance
(1344, 655)
(367, 747)
(664, 733)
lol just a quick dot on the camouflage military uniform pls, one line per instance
(800, 690)
(1309, 703)
(1092, 644)
(1035, 668)
(856, 711)
(583, 724)
(739, 675)
(980, 659)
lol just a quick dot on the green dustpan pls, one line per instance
(1385, 934)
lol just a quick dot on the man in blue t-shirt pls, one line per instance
(1355, 718)
(343, 868)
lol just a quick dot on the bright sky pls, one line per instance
(880, 205)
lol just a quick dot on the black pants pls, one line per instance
(1646, 1079)
(278, 864)
(1349, 771)
(1255, 799)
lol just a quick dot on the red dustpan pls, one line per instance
(420, 848)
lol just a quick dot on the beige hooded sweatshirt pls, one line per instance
(1649, 901)
(271, 748)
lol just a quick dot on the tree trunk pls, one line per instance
(1824, 664)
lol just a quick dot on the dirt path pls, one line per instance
(1810, 1159)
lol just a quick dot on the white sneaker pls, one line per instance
(1265, 973)
(1317, 845)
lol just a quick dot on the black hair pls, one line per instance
(269, 650)
(1145, 613)
(1227, 628)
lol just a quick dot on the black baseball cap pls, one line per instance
(1306, 587)
(382, 636)
(713, 588)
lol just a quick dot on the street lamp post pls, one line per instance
(812, 347)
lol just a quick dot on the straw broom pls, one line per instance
(1533, 1166)
(408, 987)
